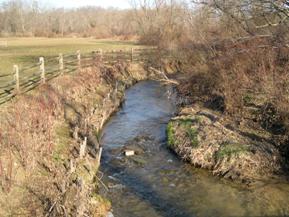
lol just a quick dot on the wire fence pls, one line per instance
(28, 77)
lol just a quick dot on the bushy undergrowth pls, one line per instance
(236, 77)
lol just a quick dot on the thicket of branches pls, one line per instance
(161, 22)
(238, 56)
(245, 41)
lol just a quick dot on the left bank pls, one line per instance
(49, 145)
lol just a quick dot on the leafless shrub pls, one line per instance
(29, 125)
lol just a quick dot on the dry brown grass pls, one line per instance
(34, 162)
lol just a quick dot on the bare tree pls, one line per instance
(253, 16)
(160, 22)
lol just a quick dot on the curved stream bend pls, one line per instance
(155, 183)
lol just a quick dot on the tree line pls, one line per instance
(30, 18)
(151, 20)
(163, 22)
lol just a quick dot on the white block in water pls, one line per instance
(129, 153)
(110, 214)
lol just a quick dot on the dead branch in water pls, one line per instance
(170, 81)
(165, 77)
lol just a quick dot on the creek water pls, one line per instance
(156, 183)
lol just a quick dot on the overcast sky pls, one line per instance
(78, 3)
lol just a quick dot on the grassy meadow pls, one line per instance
(25, 51)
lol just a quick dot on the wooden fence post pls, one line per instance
(42, 69)
(100, 54)
(132, 50)
(72, 166)
(61, 66)
(99, 157)
(93, 57)
(83, 148)
(16, 76)
(78, 59)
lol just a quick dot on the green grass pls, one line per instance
(170, 134)
(193, 134)
(185, 122)
(231, 149)
(191, 131)
(186, 126)
(25, 51)
(248, 98)
(62, 133)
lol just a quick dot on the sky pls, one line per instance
(78, 3)
(122, 4)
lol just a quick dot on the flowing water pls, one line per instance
(156, 183)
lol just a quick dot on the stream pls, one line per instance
(156, 183)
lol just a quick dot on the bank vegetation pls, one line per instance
(234, 56)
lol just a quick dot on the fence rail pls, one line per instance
(26, 78)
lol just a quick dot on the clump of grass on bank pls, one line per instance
(185, 129)
(170, 134)
(192, 132)
(228, 150)
(200, 137)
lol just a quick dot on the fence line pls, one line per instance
(24, 79)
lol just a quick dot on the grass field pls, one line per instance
(23, 51)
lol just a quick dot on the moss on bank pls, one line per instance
(170, 134)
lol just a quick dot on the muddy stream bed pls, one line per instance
(155, 183)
